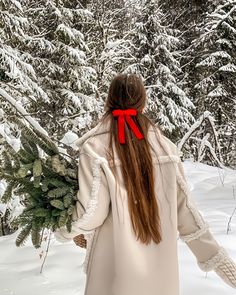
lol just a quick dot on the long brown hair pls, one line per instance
(128, 91)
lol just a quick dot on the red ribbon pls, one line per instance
(124, 115)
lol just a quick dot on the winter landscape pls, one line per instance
(57, 59)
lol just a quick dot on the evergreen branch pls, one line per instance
(8, 192)
(23, 235)
(45, 143)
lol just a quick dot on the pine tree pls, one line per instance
(19, 79)
(60, 58)
(109, 41)
(44, 63)
(156, 52)
(215, 70)
(17, 76)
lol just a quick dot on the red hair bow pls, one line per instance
(124, 115)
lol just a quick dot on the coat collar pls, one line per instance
(101, 127)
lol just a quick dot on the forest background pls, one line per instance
(57, 59)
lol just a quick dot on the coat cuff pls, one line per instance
(59, 236)
(214, 261)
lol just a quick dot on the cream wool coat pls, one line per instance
(116, 263)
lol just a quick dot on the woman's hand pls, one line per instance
(80, 241)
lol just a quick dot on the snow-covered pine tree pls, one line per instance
(156, 58)
(185, 15)
(44, 63)
(26, 55)
(109, 41)
(215, 72)
(59, 56)
(17, 76)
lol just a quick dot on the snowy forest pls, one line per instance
(57, 58)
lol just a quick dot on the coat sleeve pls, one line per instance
(194, 229)
(94, 198)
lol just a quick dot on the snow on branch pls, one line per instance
(227, 15)
(22, 111)
(204, 142)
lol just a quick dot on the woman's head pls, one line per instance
(128, 91)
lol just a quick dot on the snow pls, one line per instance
(69, 139)
(218, 92)
(212, 188)
(76, 55)
(71, 33)
(6, 134)
(17, 4)
(228, 68)
(3, 186)
(22, 111)
(198, 123)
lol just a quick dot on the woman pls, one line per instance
(135, 200)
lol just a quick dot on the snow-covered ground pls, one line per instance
(63, 275)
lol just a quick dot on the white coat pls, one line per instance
(116, 263)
